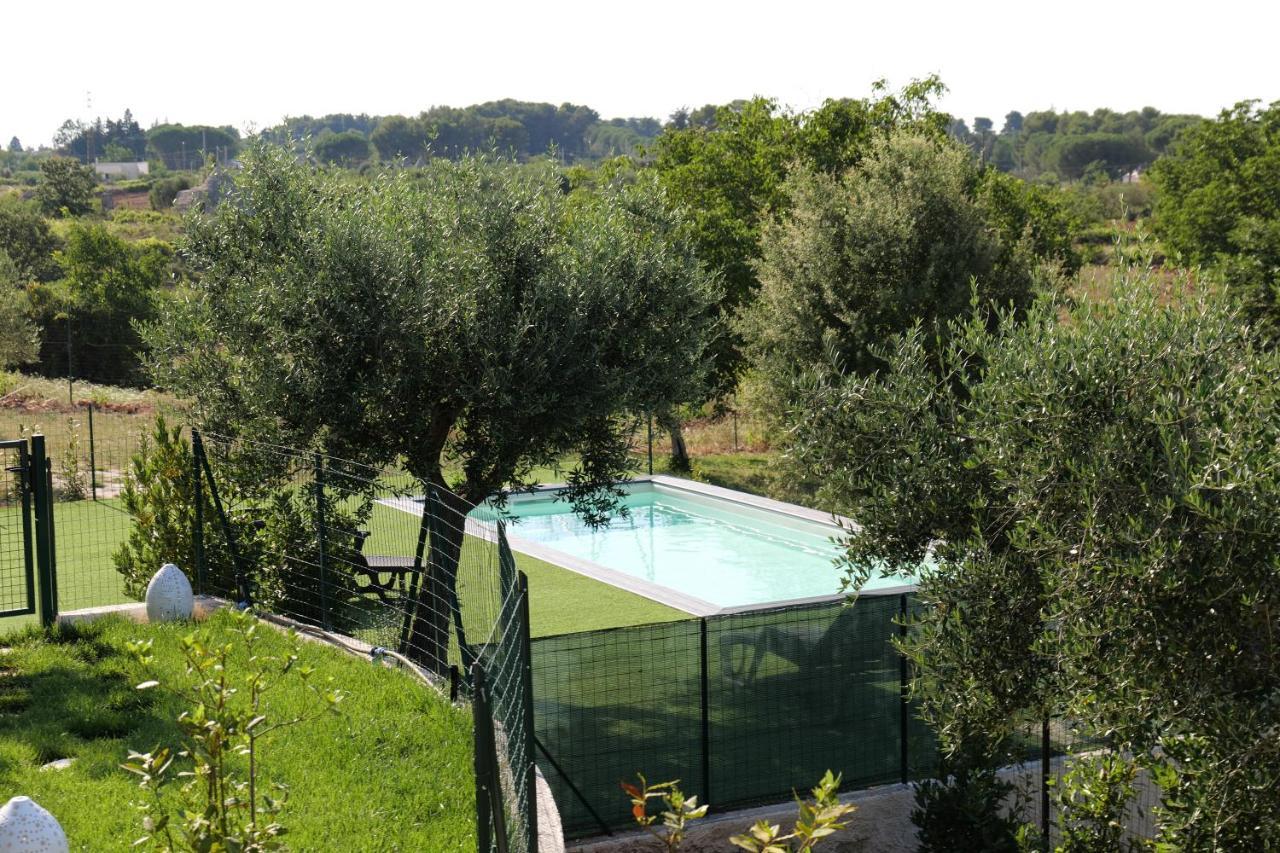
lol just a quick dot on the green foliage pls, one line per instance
(165, 190)
(159, 496)
(1093, 797)
(113, 140)
(226, 721)
(1070, 144)
(180, 146)
(1219, 203)
(1098, 491)
(964, 810)
(19, 337)
(477, 311)
(109, 286)
(66, 187)
(896, 241)
(817, 819)
(727, 168)
(73, 485)
(25, 237)
(348, 148)
(520, 129)
(678, 810)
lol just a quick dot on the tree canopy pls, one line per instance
(1219, 202)
(726, 167)
(474, 312)
(910, 235)
(65, 187)
(1098, 490)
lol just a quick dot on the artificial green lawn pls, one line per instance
(392, 772)
(89, 532)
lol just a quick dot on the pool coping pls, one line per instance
(656, 592)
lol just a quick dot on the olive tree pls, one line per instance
(1099, 488)
(892, 242)
(473, 315)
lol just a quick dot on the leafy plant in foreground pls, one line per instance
(817, 819)
(223, 806)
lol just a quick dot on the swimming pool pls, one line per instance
(699, 548)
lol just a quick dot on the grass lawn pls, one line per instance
(391, 772)
(89, 532)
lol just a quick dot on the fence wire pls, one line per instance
(742, 708)
(398, 566)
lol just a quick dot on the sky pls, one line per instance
(249, 64)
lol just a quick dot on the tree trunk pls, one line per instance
(436, 603)
(679, 452)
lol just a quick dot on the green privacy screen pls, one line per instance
(741, 708)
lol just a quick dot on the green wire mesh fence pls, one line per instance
(743, 708)
(387, 566)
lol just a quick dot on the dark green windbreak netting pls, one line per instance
(740, 708)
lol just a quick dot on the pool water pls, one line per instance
(717, 550)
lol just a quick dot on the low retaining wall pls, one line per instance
(881, 824)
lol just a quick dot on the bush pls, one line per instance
(66, 187)
(165, 190)
(964, 811)
(159, 495)
(1093, 799)
(26, 238)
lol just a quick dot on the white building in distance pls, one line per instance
(126, 171)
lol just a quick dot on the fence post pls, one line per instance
(651, 444)
(53, 539)
(706, 711)
(1045, 749)
(93, 460)
(197, 527)
(241, 579)
(904, 691)
(321, 541)
(526, 677)
(491, 817)
(38, 470)
(479, 713)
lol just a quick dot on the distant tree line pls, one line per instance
(177, 146)
(520, 129)
(1104, 144)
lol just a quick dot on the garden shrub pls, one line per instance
(964, 809)
(1093, 798)
(159, 495)
(274, 526)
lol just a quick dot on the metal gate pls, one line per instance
(17, 563)
(27, 573)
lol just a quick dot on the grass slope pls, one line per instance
(392, 772)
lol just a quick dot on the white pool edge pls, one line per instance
(655, 592)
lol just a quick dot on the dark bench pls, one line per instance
(385, 576)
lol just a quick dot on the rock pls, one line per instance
(60, 764)
(25, 827)
(169, 596)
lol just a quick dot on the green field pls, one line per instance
(392, 771)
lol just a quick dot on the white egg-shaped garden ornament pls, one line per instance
(25, 827)
(169, 595)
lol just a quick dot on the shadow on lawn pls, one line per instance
(67, 687)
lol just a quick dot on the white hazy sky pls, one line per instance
(248, 64)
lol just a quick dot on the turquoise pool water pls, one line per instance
(722, 552)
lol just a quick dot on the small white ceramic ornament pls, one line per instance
(169, 595)
(25, 827)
